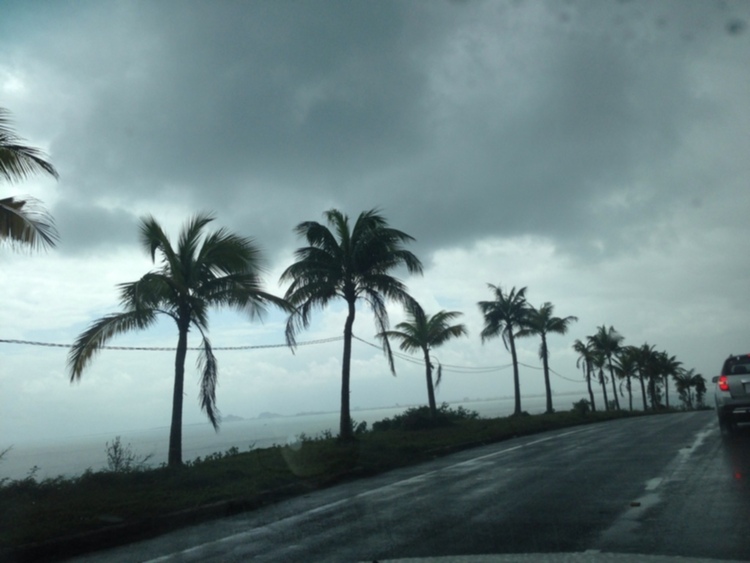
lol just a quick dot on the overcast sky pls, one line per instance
(596, 152)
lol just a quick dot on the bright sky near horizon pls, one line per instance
(593, 151)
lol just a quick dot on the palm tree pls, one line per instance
(23, 220)
(699, 382)
(643, 357)
(626, 367)
(352, 264)
(424, 332)
(586, 363)
(650, 364)
(607, 342)
(541, 322)
(684, 382)
(203, 270)
(669, 366)
(506, 316)
(599, 361)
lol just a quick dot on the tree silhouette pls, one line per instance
(352, 264)
(586, 362)
(541, 322)
(424, 333)
(204, 270)
(607, 341)
(505, 316)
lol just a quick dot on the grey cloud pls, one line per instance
(270, 112)
(86, 228)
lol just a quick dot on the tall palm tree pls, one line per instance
(202, 271)
(649, 361)
(669, 366)
(684, 381)
(599, 361)
(424, 332)
(23, 220)
(541, 322)
(586, 362)
(643, 355)
(505, 316)
(353, 264)
(699, 382)
(607, 342)
(626, 367)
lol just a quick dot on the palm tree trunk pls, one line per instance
(430, 387)
(643, 390)
(174, 457)
(587, 372)
(614, 387)
(516, 381)
(604, 388)
(630, 392)
(652, 391)
(345, 424)
(666, 389)
(545, 363)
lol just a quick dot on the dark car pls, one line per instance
(732, 392)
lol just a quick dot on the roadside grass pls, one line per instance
(63, 516)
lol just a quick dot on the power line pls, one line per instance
(167, 349)
(405, 357)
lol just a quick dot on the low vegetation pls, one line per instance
(129, 502)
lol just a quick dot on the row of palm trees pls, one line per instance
(351, 262)
(651, 368)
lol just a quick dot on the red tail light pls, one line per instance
(722, 383)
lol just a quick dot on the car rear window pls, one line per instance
(736, 364)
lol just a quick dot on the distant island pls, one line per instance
(231, 418)
(270, 415)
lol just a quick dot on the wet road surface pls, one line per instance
(665, 485)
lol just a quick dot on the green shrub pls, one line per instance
(420, 418)
(122, 459)
(582, 407)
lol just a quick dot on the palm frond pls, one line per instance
(100, 332)
(209, 368)
(153, 238)
(17, 160)
(26, 222)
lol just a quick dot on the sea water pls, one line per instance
(74, 455)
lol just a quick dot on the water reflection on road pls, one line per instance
(737, 454)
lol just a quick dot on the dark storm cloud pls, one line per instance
(85, 226)
(276, 91)
(459, 119)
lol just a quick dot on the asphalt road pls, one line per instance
(665, 485)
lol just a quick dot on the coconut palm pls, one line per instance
(422, 332)
(607, 342)
(23, 220)
(626, 367)
(640, 355)
(684, 381)
(599, 361)
(649, 370)
(203, 270)
(586, 362)
(541, 322)
(505, 316)
(699, 382)
(669, 366)
(353, 264)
